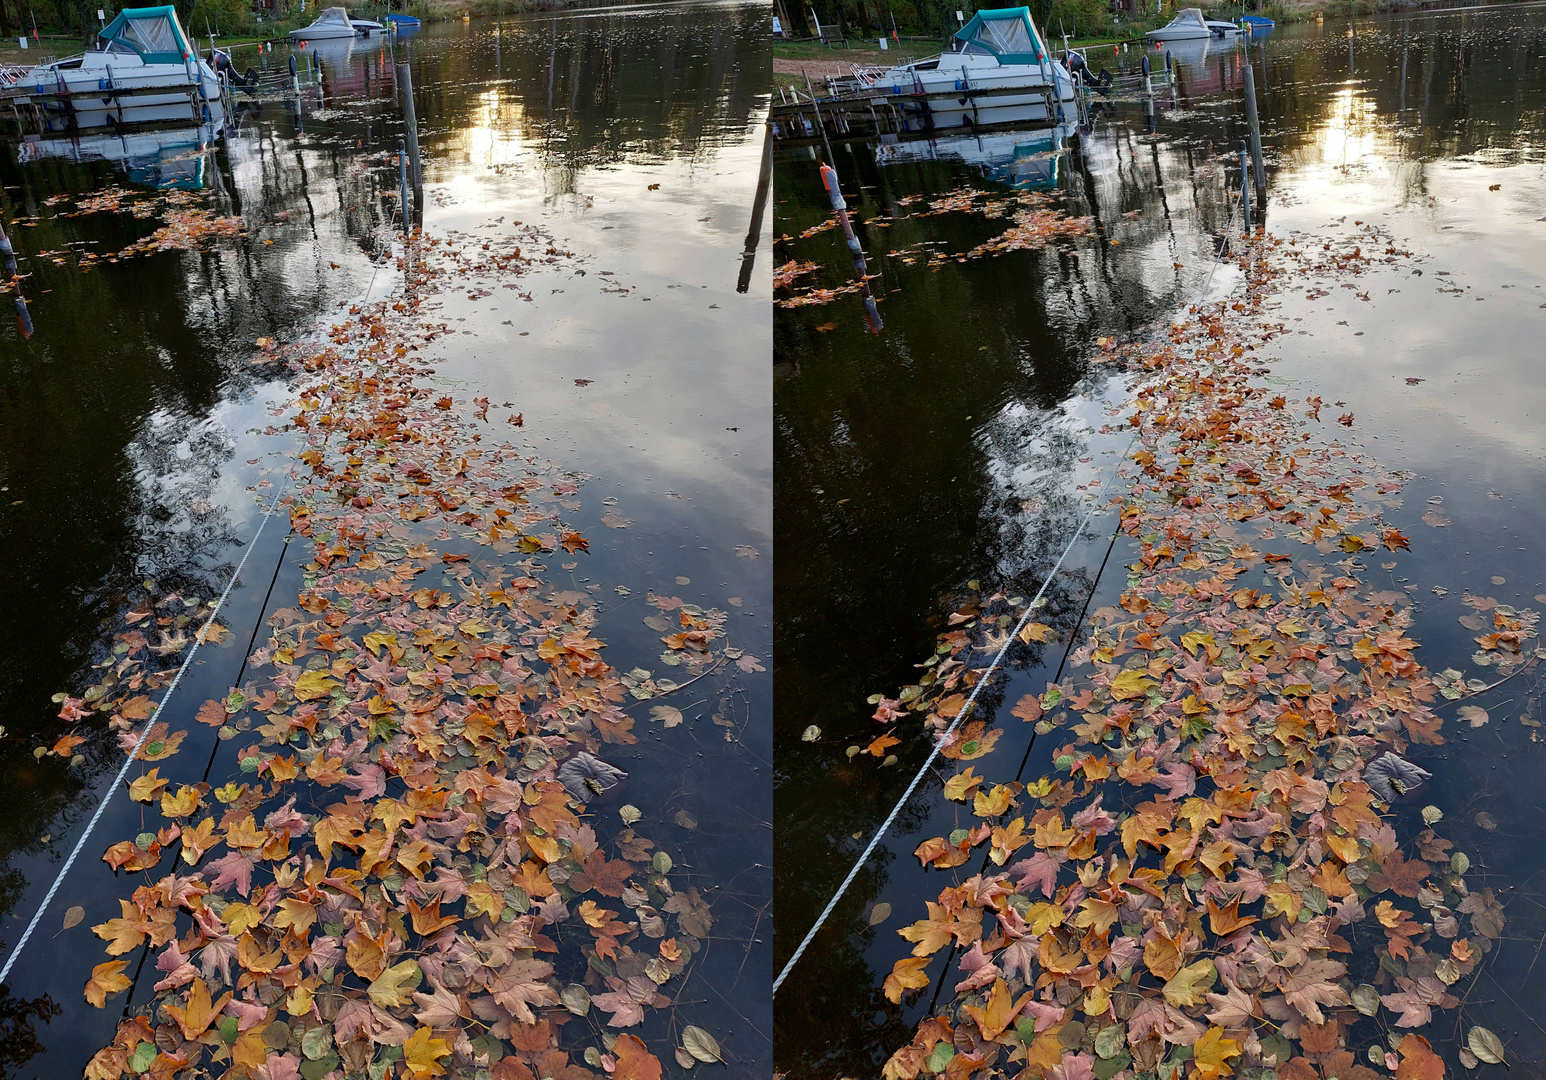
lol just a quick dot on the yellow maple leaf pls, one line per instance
(998, 1012)
(1209, 1054)
(182, 804)
(393, 988)
(907, 974)
(1035, 631)
(1189, 984)
(1132, 683)
(294, 913)
(106, 979)
(147, 788)
(315, 684)
(961, 785)
(422, 1053)
(240, 917)
(199, 1013)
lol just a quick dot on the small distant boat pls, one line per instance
(1256, 22)
(402, 22)
(333, 23)
(141, 70)
(1188, 25)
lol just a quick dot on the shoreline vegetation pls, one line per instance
(49, 40)
(795, 57)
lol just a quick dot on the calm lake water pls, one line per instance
(132, 445)
(953, 446)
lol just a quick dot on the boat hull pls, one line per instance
(93, 98)
(1004, 95)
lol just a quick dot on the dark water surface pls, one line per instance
(948, 451)
(132, 445)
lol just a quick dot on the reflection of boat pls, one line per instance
(1027, 160)
(334, 23)
(142, 70)
(334, 55)
(1191, 51)
(1188, 25)
(173, 158)
(997, 71)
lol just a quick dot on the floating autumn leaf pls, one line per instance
(195, 1017)
(106, 979)
(315, 684)
(701, 1045)
(1485, 1045)
(423, 1053)
(906, 974)
(1211, 1054)
(1036, 632)
(1280, 695)
(1190, 984)
(1418, 1061)
(634, 1062)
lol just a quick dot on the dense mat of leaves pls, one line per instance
(1210, 882)
(403, 879)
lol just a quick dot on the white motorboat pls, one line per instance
(142, 70)
(1221, 28)
(334, 22)
(1188, 25)
(997, 71)
(367, 27)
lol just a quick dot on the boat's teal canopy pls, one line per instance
(1007, 33)
(153, 32)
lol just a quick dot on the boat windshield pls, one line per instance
(1004, 36)
(333, 16)
(1189, 17)
(151, 35)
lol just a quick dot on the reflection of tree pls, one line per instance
(596, 91)
(19, 1041)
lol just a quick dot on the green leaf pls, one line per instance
(143, 1055)
(316, 1070)
(317, 1042)
(1485, 1045)
(1366, 999)
(701, 1045)
(939, 1057)
(1110, 1041)
(1106, 1068)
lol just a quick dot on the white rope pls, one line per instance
(997, 659)
(198, 640)
(939, 744)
